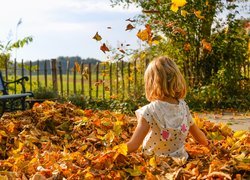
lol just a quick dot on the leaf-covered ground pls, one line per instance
(60, 141)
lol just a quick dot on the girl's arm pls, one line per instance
(139, 134)
(198, 135)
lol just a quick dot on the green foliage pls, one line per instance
(127, 106)
(5, 50)
(45, 93)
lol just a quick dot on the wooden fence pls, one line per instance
(100, 81)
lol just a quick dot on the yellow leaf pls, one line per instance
(134, 172)
(109, 137)
(97, 37)
(179, 3)
(239, 134)
(118, 127)
(174, 8)
(88, 175)
(229, 141)
(20, 146)
(152, 162)
(184, 13)
(225, 130)
(122, 149)
(198, 14)
(143, 35)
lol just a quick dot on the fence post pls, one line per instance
(110, 80)
(30, 76)
(135, 79)
(90, 86)
(74, 77)
(15, 74)
(22, 68)
(68, 76)
(45, 73)
(97, 79)
(117, 84)
(61, 78)
(6, 69)
(103, 81)
(82, 78)
(128, 78)
(123, 84)
(38, 73)
(54, 75)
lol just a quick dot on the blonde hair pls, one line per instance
(164, 79)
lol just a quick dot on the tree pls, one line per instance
(190, 29)
(6, 49)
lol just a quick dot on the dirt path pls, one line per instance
(237, 121)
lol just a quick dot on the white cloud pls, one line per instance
(63, 27)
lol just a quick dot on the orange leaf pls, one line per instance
(104, 48)
(206, 45)
(97, 37)
(129, 27)
(198, 14)
(187, 46)
(78, 67)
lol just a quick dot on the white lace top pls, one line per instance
(169, 126)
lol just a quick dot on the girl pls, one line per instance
(164, 123)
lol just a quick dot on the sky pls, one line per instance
(65, 27)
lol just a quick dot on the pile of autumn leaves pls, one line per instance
(60, 141)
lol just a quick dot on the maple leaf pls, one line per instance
(97, 37)
(146, 34)
(129, 27)
(104, 48)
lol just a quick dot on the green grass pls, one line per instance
(101, 87)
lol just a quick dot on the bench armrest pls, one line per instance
(19, 81)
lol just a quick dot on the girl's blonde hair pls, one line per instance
(164, 79)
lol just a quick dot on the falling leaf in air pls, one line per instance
(198, 14)
(130, 20)
(121, 50)
(78, 67)
(104, 48)
(129, 27)
(97, 37)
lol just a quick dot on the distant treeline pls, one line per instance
(40, 65)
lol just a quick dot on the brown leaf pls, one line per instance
(97, 37)
(129, 27)
(130, 20)
(104, 48)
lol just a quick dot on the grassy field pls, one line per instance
(102, 86)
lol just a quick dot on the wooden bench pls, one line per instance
(13, 102)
